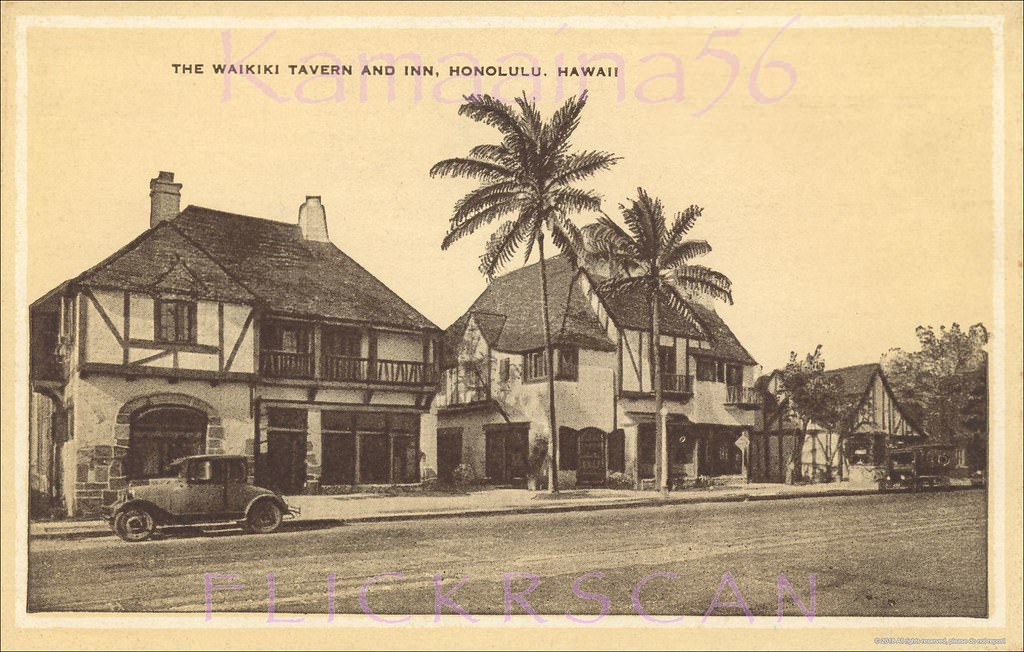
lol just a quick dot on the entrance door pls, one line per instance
(449, 452)
(591, 461)
(284, 464)
(161, 435)
(507, 449)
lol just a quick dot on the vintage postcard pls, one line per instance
(446, 326)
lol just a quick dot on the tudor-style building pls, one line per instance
(876, 422)
(216, 332)
(492, 405)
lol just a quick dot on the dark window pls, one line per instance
(207, 471)
(568, 449)
(405, 458)
(733, 374)
(706, 370)
(160, 436)
(236, 471)
(292, 419)
(667, 359)
(505, 370)
(617, 452)
(720, 368)
(535, 366)
(336, 421)
(373, 459)
(406, 423)
(568, 364)
(288, 338)
(371, 422)
(345, 342)
(339, 458)
(175, 320)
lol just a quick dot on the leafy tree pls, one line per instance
(816, 398)
(648, 258)
(526, 184)
(944, 384)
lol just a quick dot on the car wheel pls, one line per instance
(264, 517)
(134, 524)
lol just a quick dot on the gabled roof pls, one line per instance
(232, 257)
(856, 382)
(723, 342)
(856, 379)
(164, 260)
(508, 312)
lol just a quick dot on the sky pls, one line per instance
(847, 212)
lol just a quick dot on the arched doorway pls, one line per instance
(161, 434)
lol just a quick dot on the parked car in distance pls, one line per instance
(915, 467)
(199, 489)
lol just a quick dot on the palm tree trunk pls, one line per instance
(661, 437)
(549, 354)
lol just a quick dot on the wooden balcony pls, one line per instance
(746, 398)
(403, 372)
(343, 368)
(286, 364)
(677, 384)
(335, 368)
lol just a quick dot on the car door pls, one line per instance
(204, 490)
(237, 491)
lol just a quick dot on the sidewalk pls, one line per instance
(370, 508)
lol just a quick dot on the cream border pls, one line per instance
(997, 505)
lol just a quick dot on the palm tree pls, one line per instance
(650, 258)
(526, 185)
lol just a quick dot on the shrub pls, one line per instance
(464, 476)
(538, 455)
(619, 480)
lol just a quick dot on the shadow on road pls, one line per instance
(170, 532)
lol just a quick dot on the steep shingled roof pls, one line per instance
(857, 378)
(516, 297)
(723, 342)
(236, 257)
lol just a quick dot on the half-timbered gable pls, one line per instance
(874, 422)
(219, 332)
(603, 380)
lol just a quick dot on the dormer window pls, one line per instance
(175, 320)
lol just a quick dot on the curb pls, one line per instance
(312, 523)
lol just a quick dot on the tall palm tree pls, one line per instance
(526, 185)
(650, 258)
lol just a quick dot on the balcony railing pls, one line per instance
(743, 396)
(343, 368)
(677, 383)
(286, 364)
(403, 372)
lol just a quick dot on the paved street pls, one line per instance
(895, 555)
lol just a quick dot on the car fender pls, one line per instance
(277, 500)
(160, 515)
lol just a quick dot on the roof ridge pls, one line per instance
(232, 214)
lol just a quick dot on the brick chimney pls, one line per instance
(164, 198)
(313, 219)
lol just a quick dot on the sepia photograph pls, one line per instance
(647, 326)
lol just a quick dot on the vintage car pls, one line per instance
(197, 490)
(915, 467)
